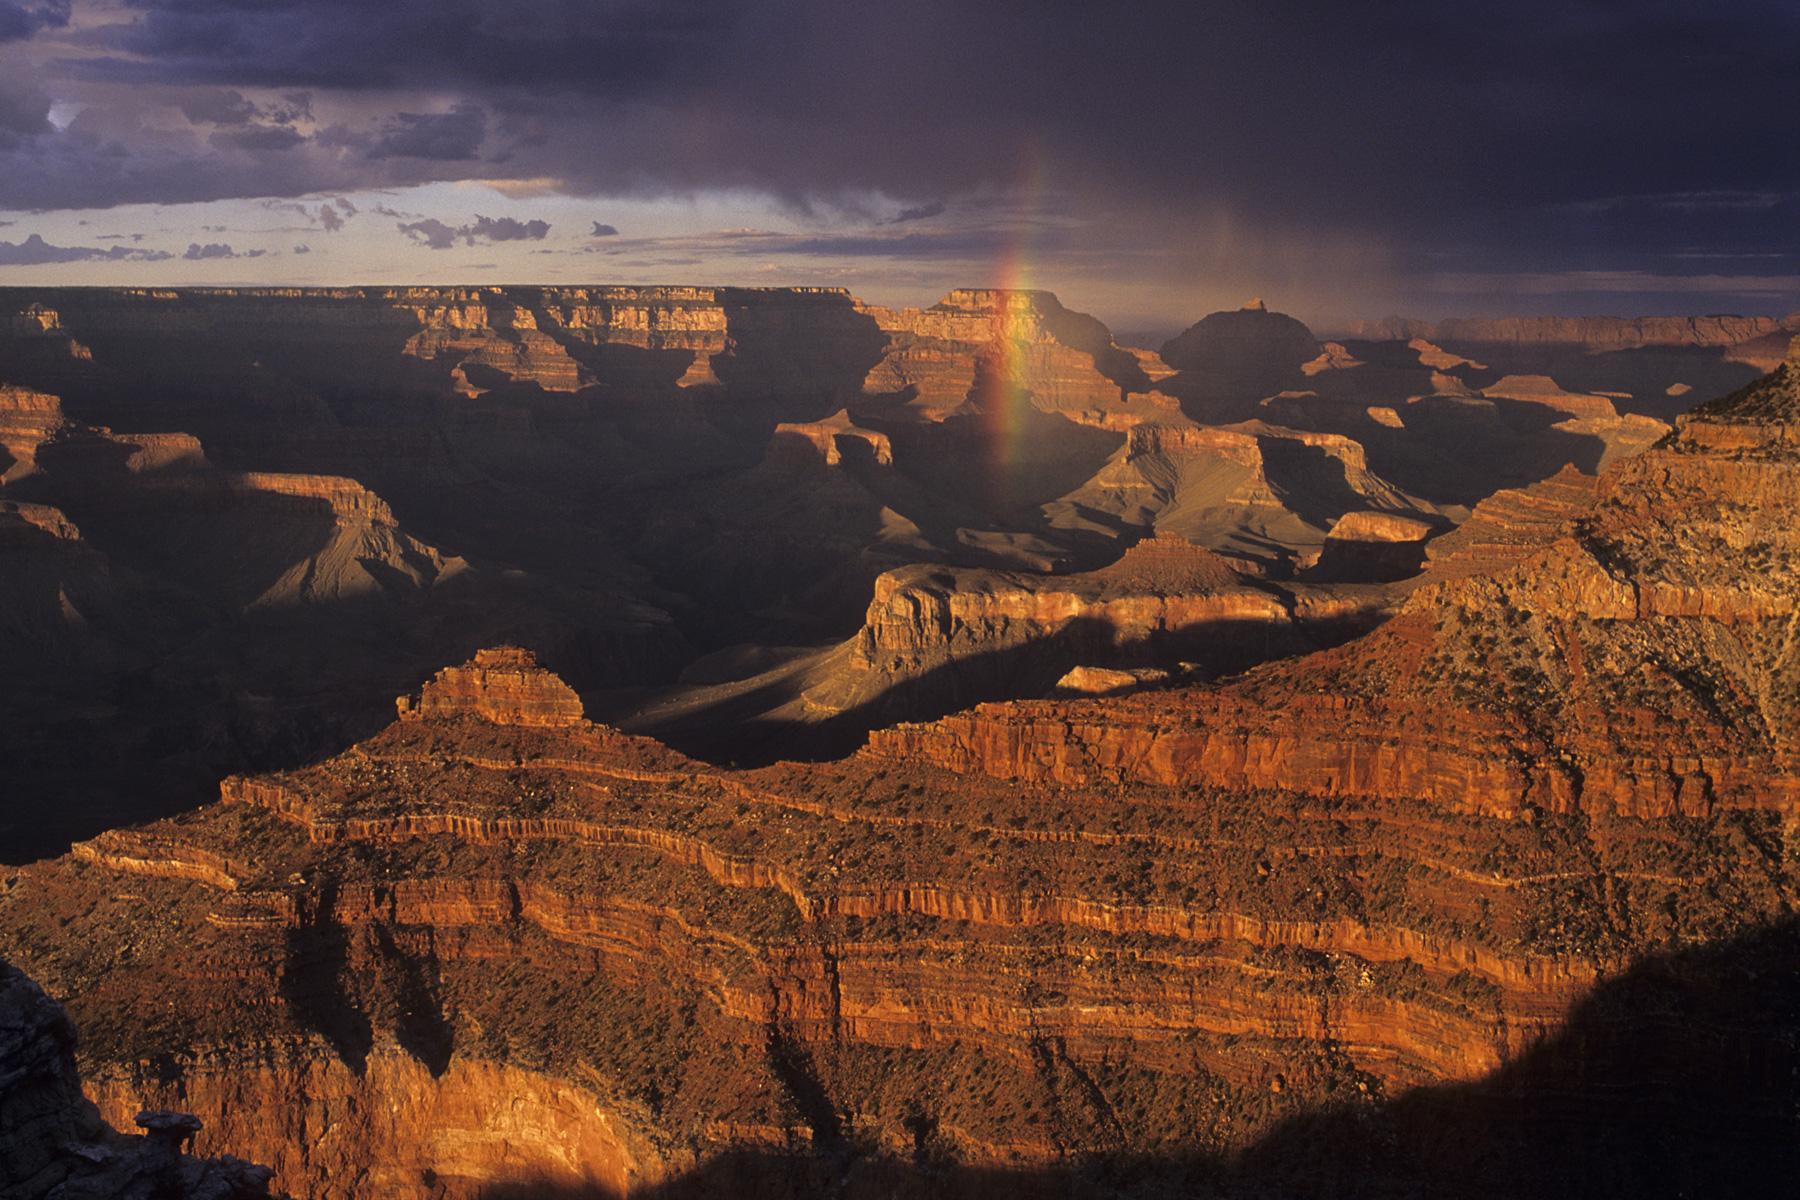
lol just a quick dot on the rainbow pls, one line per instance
(1005, 401)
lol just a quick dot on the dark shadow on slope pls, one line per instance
(420, 1026)
(272, 690)
(1312, 483)
(740, 730)
(1000, 457)
(1646, 372)
(318, 982)
(808, 352)
(1458, 450)
(1677, 1080)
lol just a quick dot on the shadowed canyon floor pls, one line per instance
(1495, 899)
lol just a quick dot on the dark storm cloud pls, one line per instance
(257, 137)
(34, 251)
(1491, 130)
(431, 232)
(506, 229)
(436, 235)
(24, 112)
(599, 46)
(961, 244)
(220, 106)
(919, 212)
(442, 137)
(21, 20)
(196, 252)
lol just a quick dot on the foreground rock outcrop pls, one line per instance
(53, 1143)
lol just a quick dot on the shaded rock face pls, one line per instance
(53, 1142)
(1592, 333)
(1237, 358)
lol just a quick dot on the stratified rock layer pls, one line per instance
(503, 685)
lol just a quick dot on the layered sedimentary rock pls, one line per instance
(1255, 490)
(493, 945)
(1163, 587)
(247, 538)
(53, 1142)
(937, 638)
(978, 340)
(562, 957)
(27, 420)
(1513, 523)
(503, 685)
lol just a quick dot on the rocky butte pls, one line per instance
(1500, 893)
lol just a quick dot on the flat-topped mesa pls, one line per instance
(348, 500)
(1372, 546)
(1248, 341)
(1542, 389)
(503, 685)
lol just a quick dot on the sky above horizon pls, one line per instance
(1149, 162)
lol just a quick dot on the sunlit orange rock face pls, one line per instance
(503, 685)
(498, 944)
